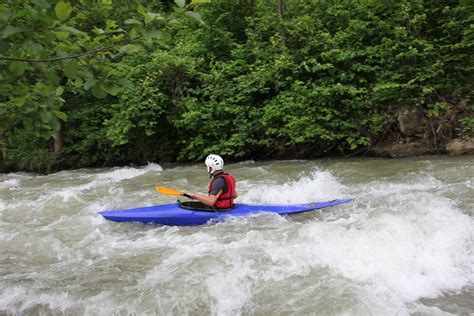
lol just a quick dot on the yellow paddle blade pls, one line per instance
(168, 191)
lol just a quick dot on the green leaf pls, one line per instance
(107, 3)
(164, 36)
(32, 47)
(63, 10)
(179, 10)
(10, 30)
(79, 82)
(141, 9)
(54, 123)
(98, 31)
(61, 35)
(133, 33)
(18, 68)
(129, 49)
(44, 89)
(70, 69)
(149, 17)
(90, 82)
(45, 116)
(110, 24)
(200, 1)
(42, 3)
(125, 83)
(195, 16)
(59, 91)
(72, 30)
(133, 21)
(157, 35)
(112, 89)
(180, 3)
(60, 115)
(6, 89)
(81, 15)
(5, 14)
(117, 38)
(98, 91)
(18, 101)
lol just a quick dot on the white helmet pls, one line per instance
(214, 163)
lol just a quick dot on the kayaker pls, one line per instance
(221, 193)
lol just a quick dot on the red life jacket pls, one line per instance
(226, 199)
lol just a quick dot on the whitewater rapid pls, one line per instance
(404, 246)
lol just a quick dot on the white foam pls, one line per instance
(10, 183)
(104, 181)
(382, 188)
(416, 254)
(12, 299)
(125, 173)
(73, 192)
(317, 186)
(230, 287)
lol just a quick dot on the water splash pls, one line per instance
(317, 186)
(119, 174)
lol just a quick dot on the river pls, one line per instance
(405, 246)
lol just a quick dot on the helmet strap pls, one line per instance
(215, 173)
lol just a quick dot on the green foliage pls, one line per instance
(85, 143)
(466, 128)
(438, 109)
(49, 47)
(259, 79)
(161, 79)
(28, 152)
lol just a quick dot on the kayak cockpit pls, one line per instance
(198, 206)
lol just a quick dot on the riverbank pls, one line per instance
(45, 162)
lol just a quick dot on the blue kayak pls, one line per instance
(184, 214)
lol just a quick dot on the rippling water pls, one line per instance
(404, 246)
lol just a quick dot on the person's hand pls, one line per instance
(191, 196)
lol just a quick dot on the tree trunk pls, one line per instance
(58, 141)
(281, 12)
(3, 154)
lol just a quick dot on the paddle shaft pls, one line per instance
(168, 191)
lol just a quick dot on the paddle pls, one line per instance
(168, 191)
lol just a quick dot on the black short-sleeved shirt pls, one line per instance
(217, 185)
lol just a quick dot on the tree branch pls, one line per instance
(44, 60)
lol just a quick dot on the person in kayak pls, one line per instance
(221, 193)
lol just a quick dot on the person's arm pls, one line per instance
(217, 188)
(208, 200)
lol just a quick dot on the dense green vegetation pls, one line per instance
(118, 82)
